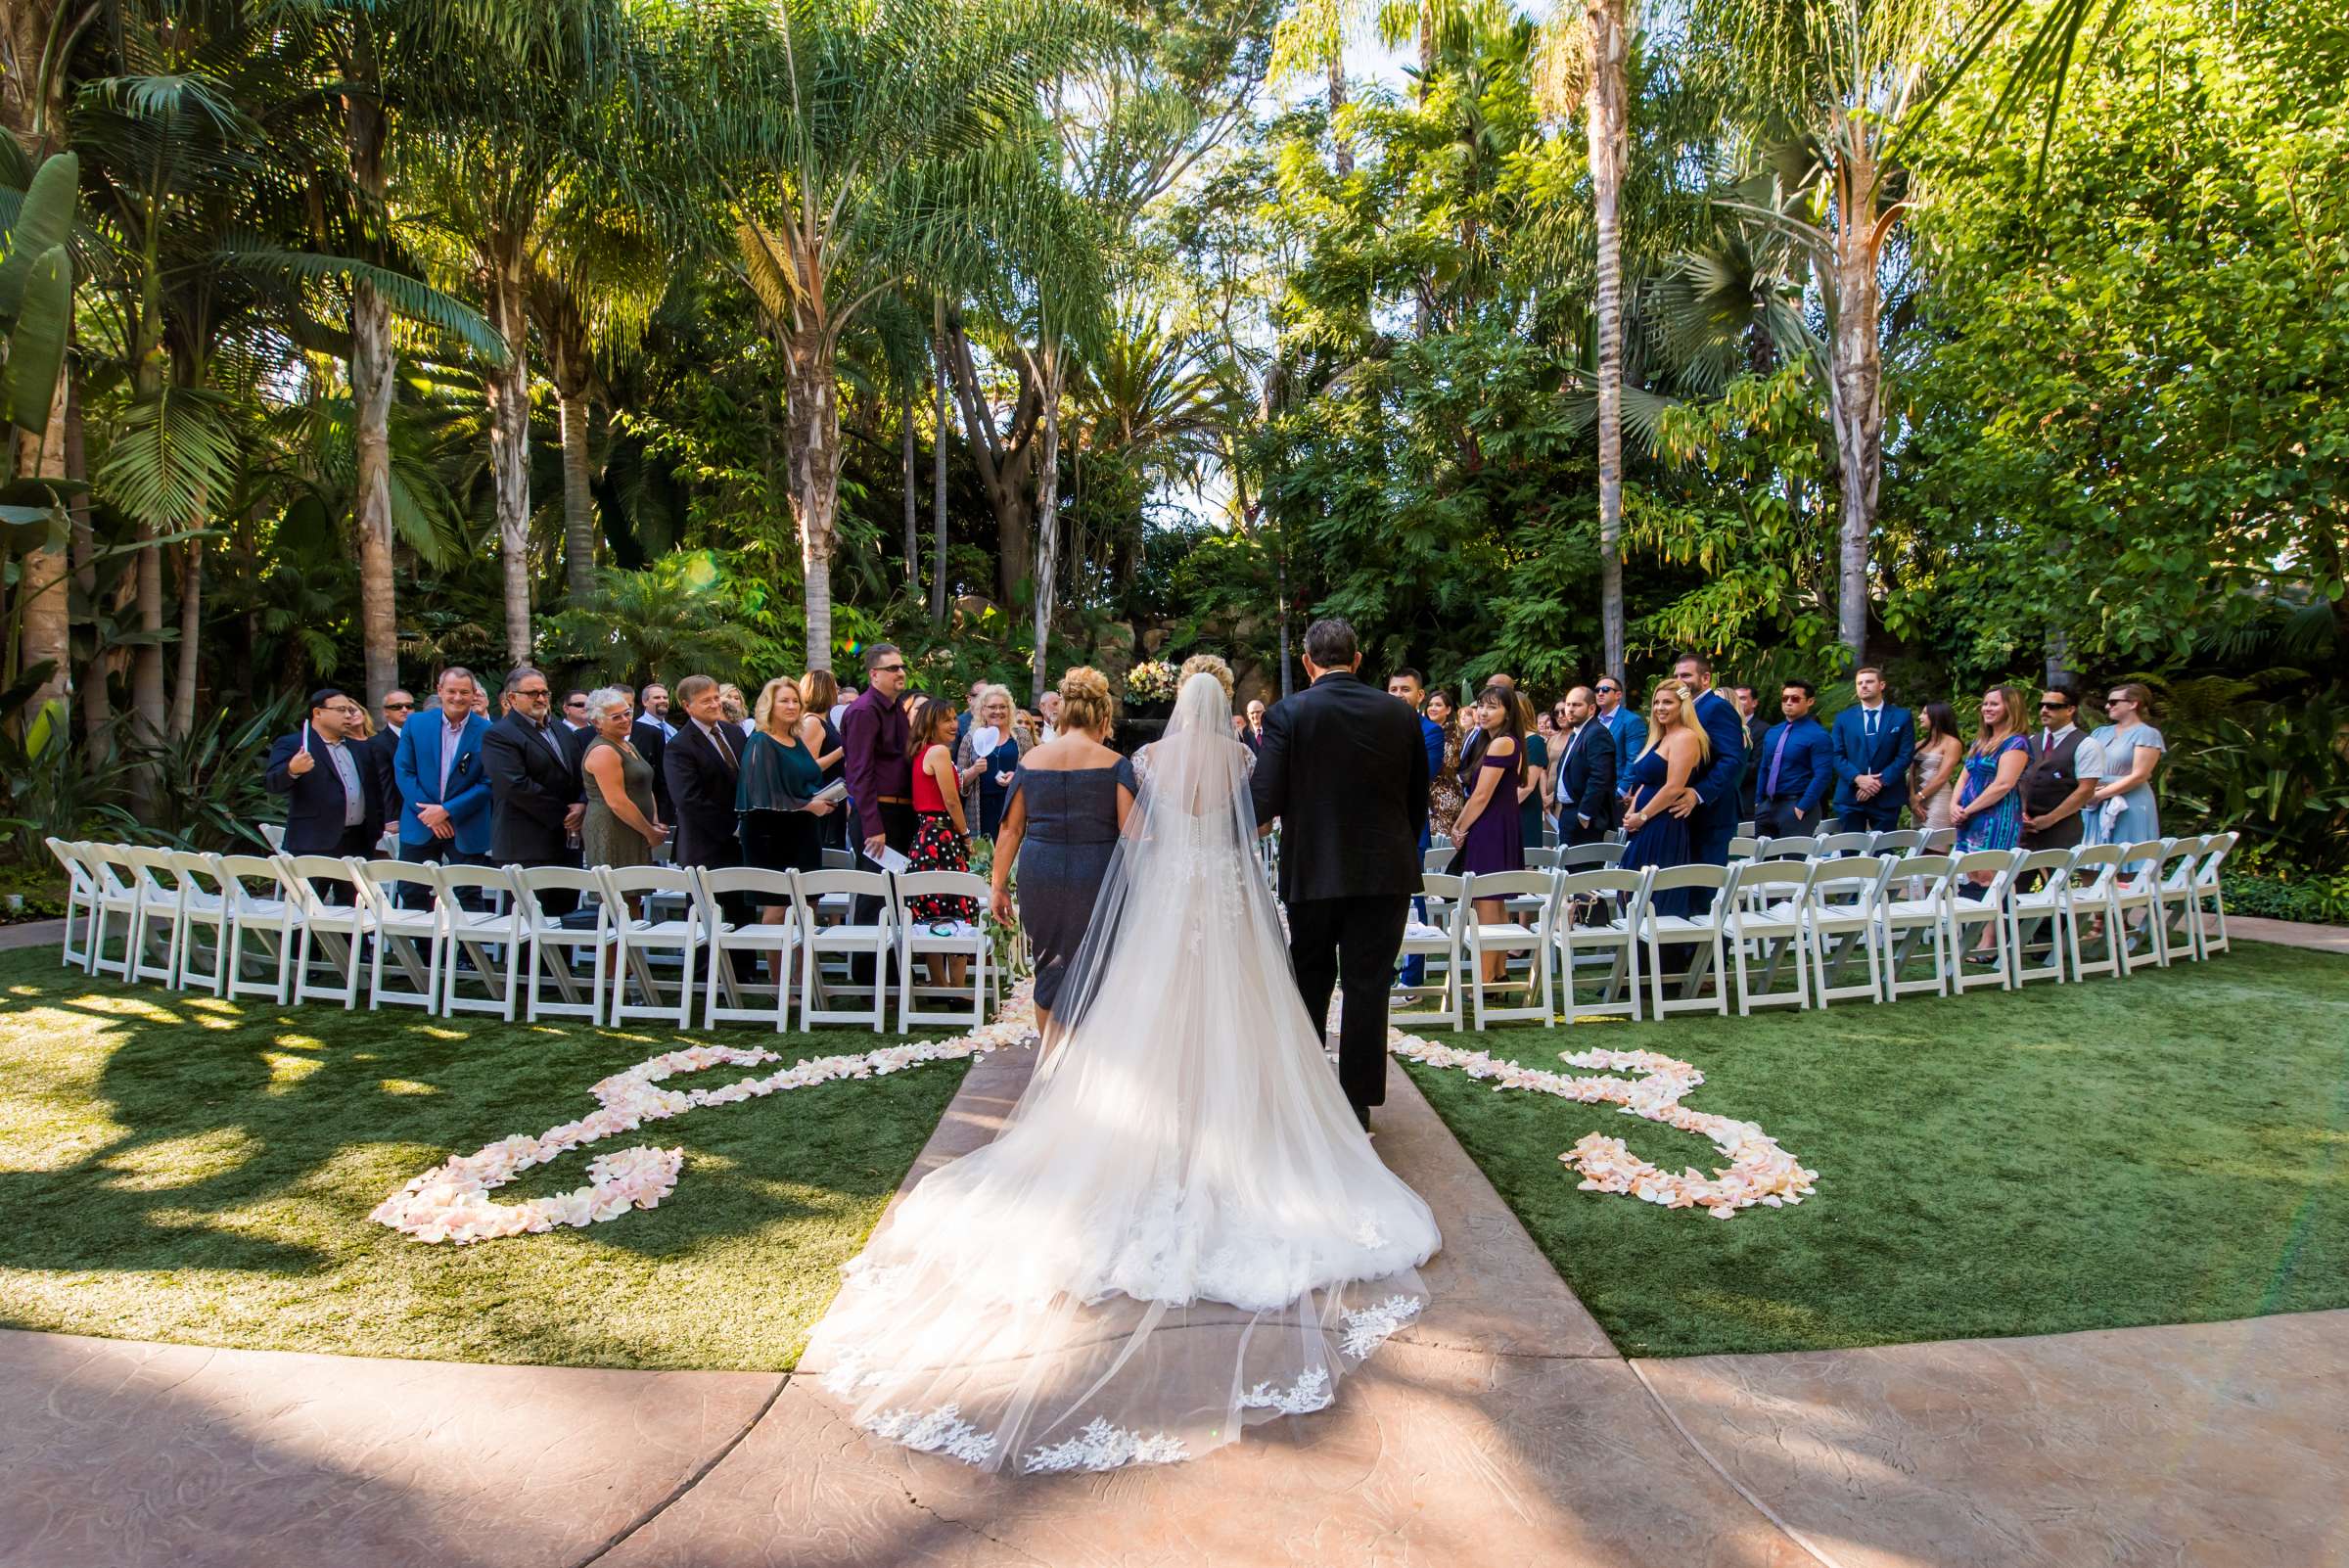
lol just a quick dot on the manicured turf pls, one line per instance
(2169, 1148)
(177, 1168)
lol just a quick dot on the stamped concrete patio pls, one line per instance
(1501, 1427)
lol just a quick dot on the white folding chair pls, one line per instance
(729, 999)
(1542, 860)
(415, 940)
(1743, 846)
(155, 931)
(1839, 844)
(266, 916)
(841, 939)
(1590, 858)
(1914, 914)
(274, 834)
(2087, 888)
(484, 943)
(1766, 918)
(328, 935)
(2208, 897)
(1829, 825)
(1436, 942)
(840, 860)
(1701, 929)
(638, 937)
(2135, 919)
(1840, 917)
(81, 900)
(1746, 829)
(1941, 841)
(2173, 901)
(968, 939)
(1598, 922)
(1986, 915)
(1793, 846)
(1896, 841)
(1435, 859)
(203, 905)
(115, 884)
(554, 951)
(2036, 914)
(1518, 930)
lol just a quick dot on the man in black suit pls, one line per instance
(1343, 768)
(703, 761)
(650, 737)
(1587, 769)
(383, 748)
(334, 799)
(1749, 708)
(536, 803)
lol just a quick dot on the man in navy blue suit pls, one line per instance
(444, 790)
(1411, 686)
(334, 799)
(1873, 743)
(1713, 818)
(1796, 767)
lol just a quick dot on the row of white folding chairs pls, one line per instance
(487, 924)
(2034, 915)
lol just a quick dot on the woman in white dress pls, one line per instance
(1181, 1230)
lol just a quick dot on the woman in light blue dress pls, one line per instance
(2128, 751)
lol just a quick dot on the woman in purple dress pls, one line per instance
(1490, 832)
(1677, 747)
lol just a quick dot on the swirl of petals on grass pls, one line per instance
(451, 1202)
(1759, 1172)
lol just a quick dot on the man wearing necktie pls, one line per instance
(536, 803)
(1798, 767)
(1873, 743)
(1587, 804)
(703, 762)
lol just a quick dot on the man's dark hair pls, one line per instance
(1407, 672)
(2065, 690)
(326, 696)
(1744, 690)
(876, 653)
(577, 691)
(1798, 683)
(1704, 665)
(520, 674)
(1331, 644)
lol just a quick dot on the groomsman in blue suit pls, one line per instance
(1796, 767)
(1623, 725)
(1713, 822)
(1874, 745)
(444, 790)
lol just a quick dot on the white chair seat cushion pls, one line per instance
(661, 930)
(1414, 931)
(1506, 933)
(1912, 910)
(1686, 924)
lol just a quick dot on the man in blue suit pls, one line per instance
(444, 790)
(1796, 767)
(1713, 818)
(334, 799)
(1874, 745)
(1411, 686)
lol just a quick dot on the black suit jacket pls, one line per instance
(702, 785)
(531, 787)
(652, 745)
(1344, 766)
(382, 747)
(314, 801)
(1750, 781)
(1586, 774)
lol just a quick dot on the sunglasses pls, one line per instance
(574, 702)
(889, 670)
(397, 707)
(1608, 691)
(2053, 708)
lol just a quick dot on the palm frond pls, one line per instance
(409, 297)
(174, 451)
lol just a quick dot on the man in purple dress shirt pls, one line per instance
(874, 733)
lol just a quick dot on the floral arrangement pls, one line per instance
(1152, 681)
(451, 1202)
(1759, 1172)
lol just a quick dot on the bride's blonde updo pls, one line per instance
(1084, 701)
(1206, 664)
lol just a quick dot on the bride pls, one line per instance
(1181, 1230)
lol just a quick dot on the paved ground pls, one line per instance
(1501, 1428)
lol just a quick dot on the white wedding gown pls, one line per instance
(1181, 1229)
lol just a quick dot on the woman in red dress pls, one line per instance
(941, 837)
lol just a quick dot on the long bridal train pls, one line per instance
(1181, 1230)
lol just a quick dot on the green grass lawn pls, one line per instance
(2170, 1148)
(178, 1168)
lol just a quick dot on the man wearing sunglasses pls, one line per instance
(2053, 792)
(1623, 725)
(875, 733)
(383, 748)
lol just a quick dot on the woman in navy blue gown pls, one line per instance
(1490, 831)
(1677, 748)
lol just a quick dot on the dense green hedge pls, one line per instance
(2313, 899)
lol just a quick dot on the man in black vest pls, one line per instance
(535, 799)
(703, 763)
(2053, 792)
(1343, 768)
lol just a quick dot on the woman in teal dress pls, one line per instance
(2128, 751)
(1989, 815)
(777, 816)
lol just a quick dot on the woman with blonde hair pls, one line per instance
(1657, 781)
(2127, 751)
(1989, 813)
(778, 818)
(986, 758)
(819, 694)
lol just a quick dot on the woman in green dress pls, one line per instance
(623, 826)
(781, 822)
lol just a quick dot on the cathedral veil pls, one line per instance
(1180, 1231)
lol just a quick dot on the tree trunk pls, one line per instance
(913, 510)
(1003, 464)
(43, 585)
(579, 501)
(1856, 403)
(97, 705)
(149, 708)
(1341, 155)
(937, 479)
(1604, 117)
(814, 414)
(191, 636)
(509, 396)
(374, 364)
(1047, 512)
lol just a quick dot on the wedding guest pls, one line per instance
(536, 803)
(656, 708)
(1713, 816)
(1874, 742)
(1628, 729)
(1492, 829)
(1047, 711)
(840, 706)
(781, 819)
(650, 737)
(703, 763)
(736, 711)
(1068, 803)
(1660, 779)
(941, 837)
(1989, 815)
(334, 800)
(1445, 800)
(985, 757)
(819, 730)
(623, 826)
(1252, 731)
(1797, 768)
(575, 709)
(2128, 751)
(1933, 776)
(2054, 790)
(383, 748)
(444, 788)
(1587, 770)
(1749, 708)
(1410, 688)
(875, 736)
(1532, 783)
